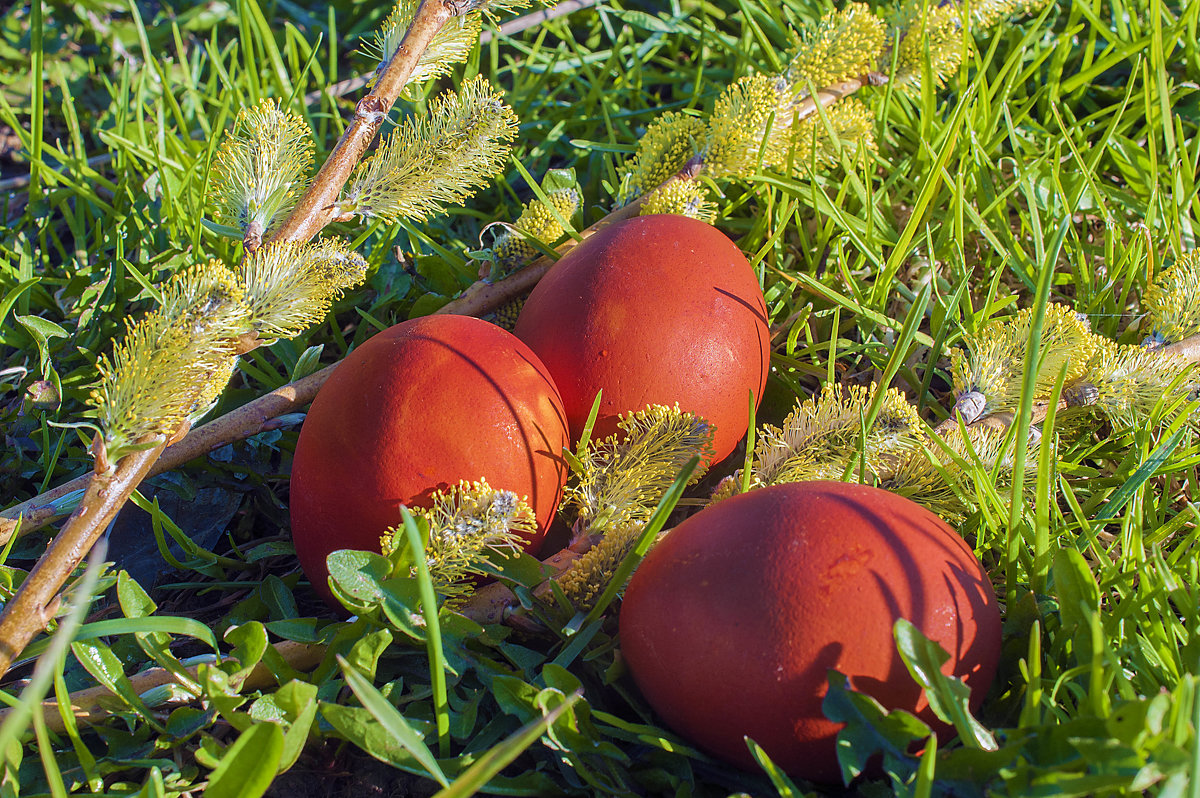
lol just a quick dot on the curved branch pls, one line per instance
(30, 610)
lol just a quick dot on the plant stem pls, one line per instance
(317, 207)
(30, 610)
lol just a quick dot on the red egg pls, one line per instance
(733, 620)
(416, 409)
(653, 310)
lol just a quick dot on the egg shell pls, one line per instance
(415, 409)
(731, 623)
(657, 309)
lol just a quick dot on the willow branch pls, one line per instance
(30, 610)
(316, 208)
(1004, 419)
(831, 94)
(1188, 349)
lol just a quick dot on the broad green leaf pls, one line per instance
(357, 574)
(99, 660)
(1078, 599)
(298, 701)
(360, 727)
(249, 765)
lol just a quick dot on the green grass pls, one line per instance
(1059, 164)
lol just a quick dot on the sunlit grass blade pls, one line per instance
(476, 777)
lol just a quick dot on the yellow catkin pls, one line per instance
(620, 479)
(845, 44)
(450, 45)
(937, 34)
(668, 143)
(261, 167)
(752, 116)
(507, 314)
(683, 198)
(818, 143)
(590, 575)
(466, 523)
(436, 159)
(290, 287)
(1172, 302)
(824, 434)
(1130, 381)
(165, 367)
(512, 248)
(986, 13)
(993, 364)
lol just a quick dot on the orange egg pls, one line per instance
(653, 310)
(415, 409)
(732, 622)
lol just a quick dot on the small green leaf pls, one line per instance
(249, 765)
(249, 643)
(870, 729)
(516, 697)
(135, 602)
(365, 653)
(42, 330)
(308, 362)
(558, 179)
(779, 780)
(12, 296)
(278, 597)
(223, 229)
(640, 19)
(949, 697)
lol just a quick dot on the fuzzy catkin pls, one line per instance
(261, 167)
